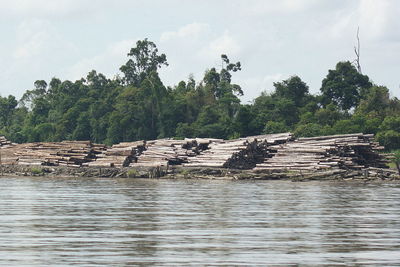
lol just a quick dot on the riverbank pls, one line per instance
(266, 157)
(178, 172)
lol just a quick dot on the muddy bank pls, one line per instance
(179, 172)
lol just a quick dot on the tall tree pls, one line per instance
(344, 86)
(294, 89)
(144, 59)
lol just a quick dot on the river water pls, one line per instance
(123, 222)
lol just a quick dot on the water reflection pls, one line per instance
(127, 221)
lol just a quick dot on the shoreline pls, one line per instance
(179, 172)
(265, 157)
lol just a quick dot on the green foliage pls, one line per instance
(36, 171)
(391, 123)
(328, 115)
(275, 127)
(346, 127)
(139, 106)
(144, 59)
(344, 86)
(294, 89)
(390, 139)
(376, 102)
(396, 156)
(132, 173)
(308, 130)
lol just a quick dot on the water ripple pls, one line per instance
(190, 222)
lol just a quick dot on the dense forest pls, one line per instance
(137, 105)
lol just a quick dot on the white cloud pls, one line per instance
(107, 62)
(33, 37)
(380, 19)
(193, 30)
(68, 38)
(264, 7)
(254, 85)
(45, 8)
(40, 40)
(225, 44)
(342, 22)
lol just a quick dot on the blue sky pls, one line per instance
(273, 40)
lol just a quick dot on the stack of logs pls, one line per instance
(66, 153)
(274, 153)
(119, 155)
(349, 152)
(164, 152)
(242, 153)
(4, 141)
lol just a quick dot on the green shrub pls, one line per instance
(36, 171)
(273, 127)
(308, 130)
(132, 173)
(390, 139)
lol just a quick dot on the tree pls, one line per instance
(144, 59)
(390, 139)
(308, 130)
(31, 95)
(294, 89)
(226, 75)
(344, 86)
(328, 115)
(377, 101)
(244, 122)
(273, 127)
(7, 107)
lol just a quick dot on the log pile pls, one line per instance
(66, 153)
(4, 141)
(164, 152)
(275, 153)
(6, 155)
(243, 153)
(119, 155)
(349, 152)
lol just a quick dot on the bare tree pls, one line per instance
(357, 51)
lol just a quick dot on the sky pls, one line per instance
(273, 40)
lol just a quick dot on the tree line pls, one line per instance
(137, 105)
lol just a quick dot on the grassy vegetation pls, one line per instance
(36, 171)
(132, 173)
